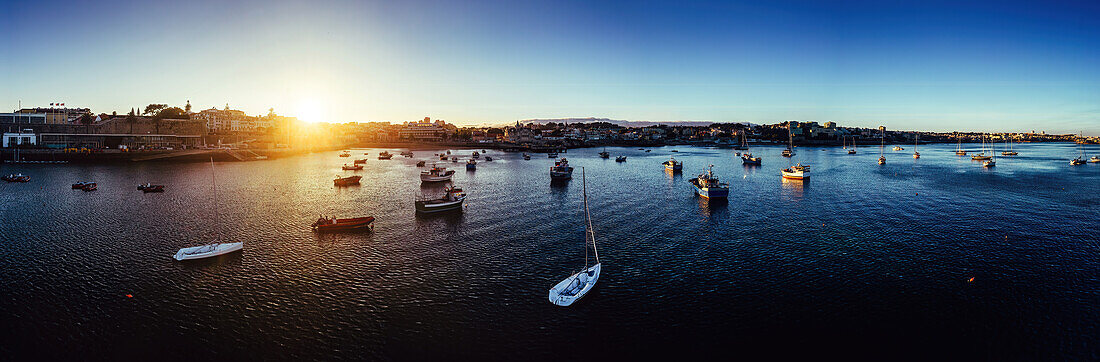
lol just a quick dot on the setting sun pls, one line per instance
(310, 110)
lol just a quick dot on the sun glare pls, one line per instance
(310, 111)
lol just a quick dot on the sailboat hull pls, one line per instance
(575, 287)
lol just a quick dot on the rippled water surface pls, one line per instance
(860, 258)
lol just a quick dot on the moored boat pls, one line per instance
(89, 186)
(385, 155)
(408, 154)
(16, 178)
(526, 156)
(451, 200)
(471, 165)
(419, 163)
(882, 160)
(212, 249)
(576, 286)
(797, 172)
(749, 159)
(436, 174)
(1094, 159)
(348, 167)
(673, 165)
(360, 161)
(475, 155)
(552, 155)
(561, 170)
(346, 181)
(79, 185)
(707, 185)
(333, 224)
(605, 154)
(488, 158)
(620, 159)
(151, 188)
(345, 154)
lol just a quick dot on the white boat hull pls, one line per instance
(207, 251)
(575, 287)
(795, 175)
(428, 178)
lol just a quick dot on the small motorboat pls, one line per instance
(332, 224)
(1094, 159)
(620, 159)
(797, 172)
(561, 170)
(788, 153)
(552, 155)
(526, 156)
(16, 178)
(471, 165)
(675, 151)
(648, 151)
(749, 159)
(989, 163)
(483, 151)
(345, 154)
(448, 152)
(1076, 162)
(960, 153)
(916, 154)
(851, 151)
(673, 165)
(451, 200)
(488, 158)
(346, 181)
(207, 251)
(436, 174)
(385, 155)
(708, 186)
(408, 154)
(360, 161)
(898, 148)
(1009, 153)
(419, 163)
(475, 155)
(442, 157)
(882, 160)
(348, 167)
(89, 186)
(79, 185)
(640, 149)
(151, 188)
(454, 159)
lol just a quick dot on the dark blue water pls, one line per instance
(862, 260)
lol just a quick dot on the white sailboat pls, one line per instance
(916, 154)
(577, 285)
(214, 249)
(881, 145)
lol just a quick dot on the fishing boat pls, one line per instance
(436, 174)
(673, 165)
(561, 170)
(526, 156)
(16, 178)
(385, 155)
(916, 154)
(451, 200)
(333, 224)
(212, 249)
(408, 154)
(852, 151)
(707, 185)
(749, 159)
(471, 165)
(959, 151)
(360, 161)
(419, 163)
(151, 188)
(348, 167)
(789, 152)
(604, 154)
(345, 154)
(475, 155)
(620, 159)
(346, 181)
(576, 286)
(797, 172)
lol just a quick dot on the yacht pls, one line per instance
(561, 170)
(707, 185)
(959, 151)
(881, 145)
(789, 152)
(673, 165)
(451, 200)
(436, 174)
(915, 142)
(212, 249)
(981, 156)
(852, 151)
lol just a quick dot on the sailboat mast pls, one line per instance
(588, 222)
(214, 181)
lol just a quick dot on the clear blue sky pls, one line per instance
(997, 65)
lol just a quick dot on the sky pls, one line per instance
(927, 65)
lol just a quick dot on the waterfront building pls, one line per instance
(21, 138)
(424, 130)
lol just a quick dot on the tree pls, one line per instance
(169, 113)
(154, 108)
(86, 119)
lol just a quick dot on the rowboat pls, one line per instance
(325, 224)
